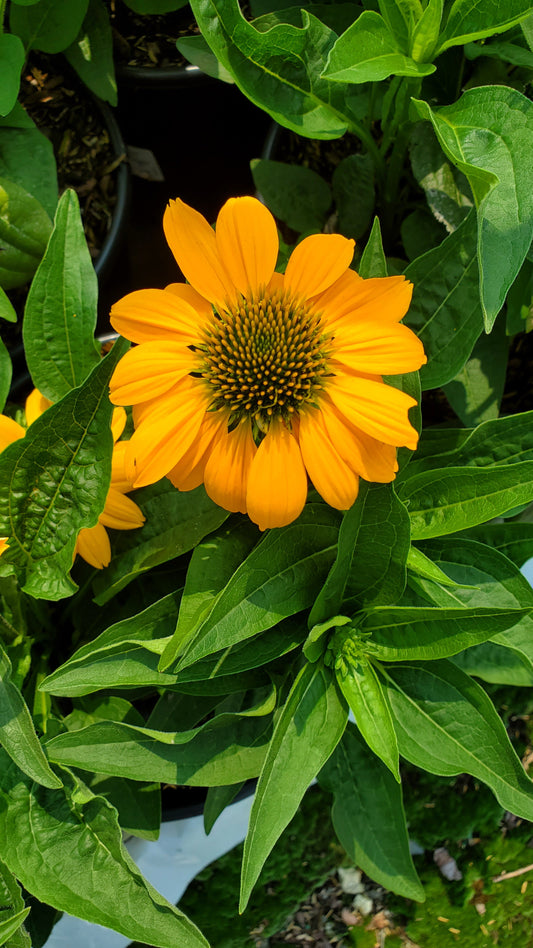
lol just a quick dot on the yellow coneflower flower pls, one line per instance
(249, 380)
(120, 512)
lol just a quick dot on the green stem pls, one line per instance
(13, 632)
(2, 15)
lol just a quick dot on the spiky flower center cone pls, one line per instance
(265, 358)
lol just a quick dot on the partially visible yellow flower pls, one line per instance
(120, 512)
(249, 380)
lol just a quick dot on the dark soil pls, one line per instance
(149, 41)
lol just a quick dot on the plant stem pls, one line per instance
(2, 15)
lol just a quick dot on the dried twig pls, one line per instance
(511, 875)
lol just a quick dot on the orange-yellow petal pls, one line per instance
(164, 436)
(118, 423)
(194, 245)
(4, 543)
(247, 242)
(379, 299)
(228, 467)
(9, 431)
(118, 468)
(317, 262)
(191, 296)
(35, 404)
(93, 546)
(145, 315)
(378, 348)
(277, 483)
(189, 471)
(371, 459)
(120, 512)
(333, 478)
(378, 409)
(149, 370)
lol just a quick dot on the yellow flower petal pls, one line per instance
(317, 262)
(333, 478)
(194, 245)
(379, 299)
(371, 459)
(378, 348)
(378, 409)
(247, 242)
(118, 423)
(94, 547)
(35, 404)
(9, 431)
(277, 484)
(189, 471)
(228, 468)
(145, 315)
(191, 296)
(149, 370)
(118, 468)
(120, 512)
(163, 437)
(4, 543)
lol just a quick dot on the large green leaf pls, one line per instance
(352, 183)
(212, 564)
(371, 555)
(11, 63)
(307, 731)
(228, 748)
(175, 522)
(514, 540)
(405, 633)
(443, 501)
(488, 134)
(279, 70)
(49, 25)
(368, 52)
(54, 481)
(61, 308)
(369, 705)
(278, 579)
(12, 911)
(446, 724)
(468, 21)
(17, 733)
(27, 158)
(445, 311)
(447, 190)
(6, 372)
(91, 53)
(24, 231)
(368, 815)
(476, 391)
(66, 848)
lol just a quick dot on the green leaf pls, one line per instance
(175, 522)
(61, 308)
(155, 6)
(197, 52)
(138, 803)
(420, 232)
(445, 311)
(488, 134)
(11, 63)
(476, 391)
(277, 580)
(371, 555)
(307, 731)
(27, 158)
(91, 53)
(212, 564)
(447, 189)
(368, 815)
(519, 303)
(64, 465)
(353, 191)
(12, 911)
(295, 194)
(24, 231)
(279, 70)
(368, 52)
(419, 563)
(49, 25)
(426, 32)
(405, 633)
(514, 540)
(228, 748)
(42, 829)
(373, 262)
(467, 22)
(445, 723)
(441, 502)
(217, 799)
(496, 664)
(368, 701)
(7, 310)
(17, 734)
(6, 371)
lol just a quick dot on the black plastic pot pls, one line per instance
(115, 235)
